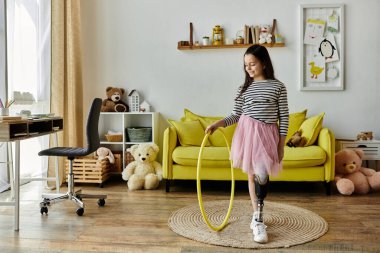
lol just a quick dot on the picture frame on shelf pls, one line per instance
(321, 47)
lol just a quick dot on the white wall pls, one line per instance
(133, 44)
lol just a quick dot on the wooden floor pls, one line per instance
(137, 221)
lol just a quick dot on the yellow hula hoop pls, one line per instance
(199, 190)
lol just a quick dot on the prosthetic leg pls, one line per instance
(261, 186)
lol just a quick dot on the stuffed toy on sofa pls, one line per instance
(144, 172)
(296, 140)
(350, 177)
(113, 103)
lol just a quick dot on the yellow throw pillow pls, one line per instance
(216, 138)
(190, 133)
(192, 116)
(311, 128)
(295, 122)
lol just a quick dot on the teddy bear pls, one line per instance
(144, 172)
(363, 136)
(113, 103)
(350, 177)
(265, 35)
(296, 140)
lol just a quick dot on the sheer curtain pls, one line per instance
(3, 147)
(29, 69)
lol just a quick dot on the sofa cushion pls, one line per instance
(211, 157)
(218, 156)
(190, 133)
(311, 128)
(295, 122)
(216, 138)
(304, 156)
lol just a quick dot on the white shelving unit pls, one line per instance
(119, 122)
(371, 149)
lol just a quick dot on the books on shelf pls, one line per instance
(10, 118)
(251, 34)
(257, 33)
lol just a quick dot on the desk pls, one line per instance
(16, 131)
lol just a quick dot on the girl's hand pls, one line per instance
(280, 152)
(211, 128)
(280, 148)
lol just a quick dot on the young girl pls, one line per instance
(258, 142)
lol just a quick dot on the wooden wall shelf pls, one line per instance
(227, 46)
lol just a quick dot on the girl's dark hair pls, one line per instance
(261, 53)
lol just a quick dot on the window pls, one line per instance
(28, 63)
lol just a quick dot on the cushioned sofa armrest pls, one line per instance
(326, 141)
(169, 144)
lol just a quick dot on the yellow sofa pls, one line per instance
(313, 163)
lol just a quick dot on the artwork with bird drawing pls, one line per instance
(328, 49)
(316, 69)
(322, 37)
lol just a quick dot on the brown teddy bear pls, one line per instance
(113, 103)
(296, 140)
(351, 177)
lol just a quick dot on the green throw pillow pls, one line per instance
(295, 121)
(311, 128)
(190, 133)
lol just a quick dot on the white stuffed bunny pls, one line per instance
(103, 153)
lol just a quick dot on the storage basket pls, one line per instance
(117, 166)
(114, 137)
(89, 169)
(139, 134)
(128, 158)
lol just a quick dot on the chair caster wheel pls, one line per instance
(46, 201)
(80, 211)
(101, 202)
(43, 210)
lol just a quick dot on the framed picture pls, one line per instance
(321, 47)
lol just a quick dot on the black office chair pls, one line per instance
(93, 144)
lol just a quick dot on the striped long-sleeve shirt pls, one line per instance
(265, 101)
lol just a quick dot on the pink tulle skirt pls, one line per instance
(254, 147)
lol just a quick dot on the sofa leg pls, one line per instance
(328, 188)
(167, 185)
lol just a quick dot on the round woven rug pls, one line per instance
(287, 225)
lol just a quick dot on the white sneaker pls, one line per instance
(255, 216)
(259, 232)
